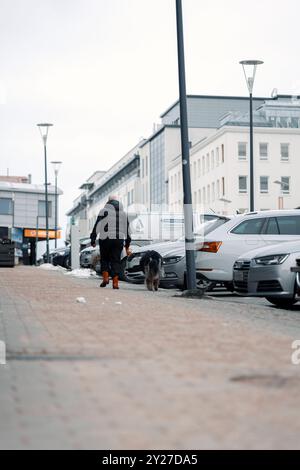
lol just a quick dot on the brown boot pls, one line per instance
(105, 279)
(116, 282)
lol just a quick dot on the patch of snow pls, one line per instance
(81, 273)
(50, 267)
(81, 300)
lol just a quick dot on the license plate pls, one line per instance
(238, 276)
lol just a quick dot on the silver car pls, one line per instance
(86, 256)
(173, 254)
(266, 272)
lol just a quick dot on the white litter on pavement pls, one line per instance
(118, 303)
(81, 300)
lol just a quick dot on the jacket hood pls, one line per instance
(117, 205)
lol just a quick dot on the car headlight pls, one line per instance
(271, 260)
(172, 260)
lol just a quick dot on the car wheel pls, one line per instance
(205, 284)
(229, 286)
(67, 263)
(281, 303)
(201, 284)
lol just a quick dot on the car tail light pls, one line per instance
(211, 247)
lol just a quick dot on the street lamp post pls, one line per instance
(56, 167)
(250, 67)
(187, 193)
(44, 129)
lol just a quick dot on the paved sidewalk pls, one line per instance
(131, 369)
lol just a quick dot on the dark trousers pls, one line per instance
(110, 255)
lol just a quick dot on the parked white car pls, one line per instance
(223, 246)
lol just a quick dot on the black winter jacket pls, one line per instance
(112, 222)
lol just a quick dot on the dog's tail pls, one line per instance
(154, 266)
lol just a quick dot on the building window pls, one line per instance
(208, 194)
(263, 151)
(213, 193)
(223, 186)
(207, 163)
(223, 153)
(264, 184)
(203, 165)
(157, 174)
(242, 150)
(218, 189)
(285, 184)
(6, 206)
(217, 156)
(212, 160)
(195, 198)
(42, 209)
(143, 166)
(242, 184)
(285, 152)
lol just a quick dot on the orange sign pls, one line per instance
(32, 233)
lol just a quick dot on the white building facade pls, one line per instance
(220, 163)
(150, 174)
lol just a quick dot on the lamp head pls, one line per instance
(56, 166)
(249, 67)
(44, 129)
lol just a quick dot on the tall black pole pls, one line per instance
(56, 222)
(46, 203)
(252, 207)
(187, 193)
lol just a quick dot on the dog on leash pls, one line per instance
(151, 263)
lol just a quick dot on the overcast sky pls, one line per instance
(104, 70)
